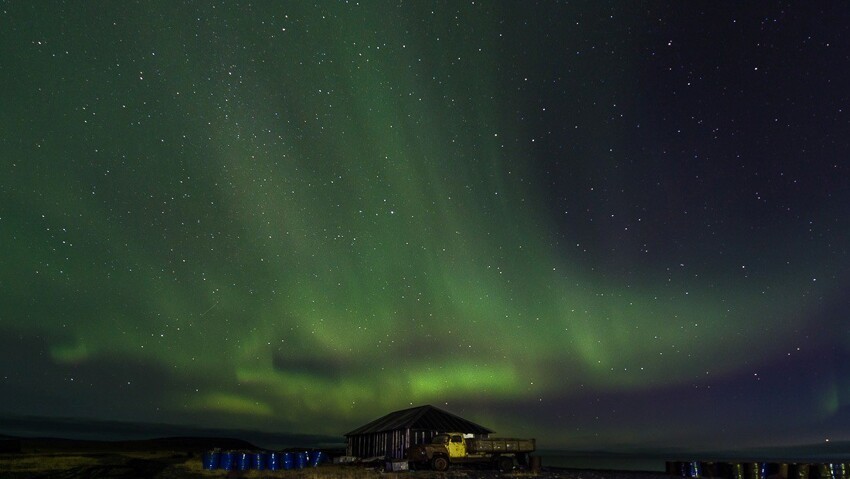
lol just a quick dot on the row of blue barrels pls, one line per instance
(759, 470)
(272, 461)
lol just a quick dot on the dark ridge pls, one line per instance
(115, 431)
(187, 444)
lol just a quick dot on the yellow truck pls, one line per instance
(457, 448)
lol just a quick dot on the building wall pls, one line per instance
(392, 444)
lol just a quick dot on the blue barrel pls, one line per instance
(685, 468)
(300, 460)
(243, 460)
(709, 469)
(755, 470)
(694, 469)
(211, 460)
(316, 458)
(287, 461)
(835, 470)
(737, 471)
(275, 461)
(260, 460)
(800, 471)
(226, 461)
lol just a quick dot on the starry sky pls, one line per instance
(600, 224)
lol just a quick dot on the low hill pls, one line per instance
(181, 444)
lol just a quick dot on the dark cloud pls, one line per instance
(100, 386)
(326, 368)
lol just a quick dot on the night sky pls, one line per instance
(600, 224)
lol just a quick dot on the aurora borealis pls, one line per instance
(601, 224)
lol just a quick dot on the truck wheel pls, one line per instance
(506, 463)
(439, 463)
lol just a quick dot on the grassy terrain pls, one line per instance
(181, 458)
(69, 465)
(38, 463)
(177, 465)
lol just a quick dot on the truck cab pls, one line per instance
(454, 444)
(443, 450)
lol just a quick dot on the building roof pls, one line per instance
(426, 417)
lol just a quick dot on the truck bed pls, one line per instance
(501, 445)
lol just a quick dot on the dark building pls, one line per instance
(391, 435)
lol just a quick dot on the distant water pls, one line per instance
(616, 462)
(655, 460)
